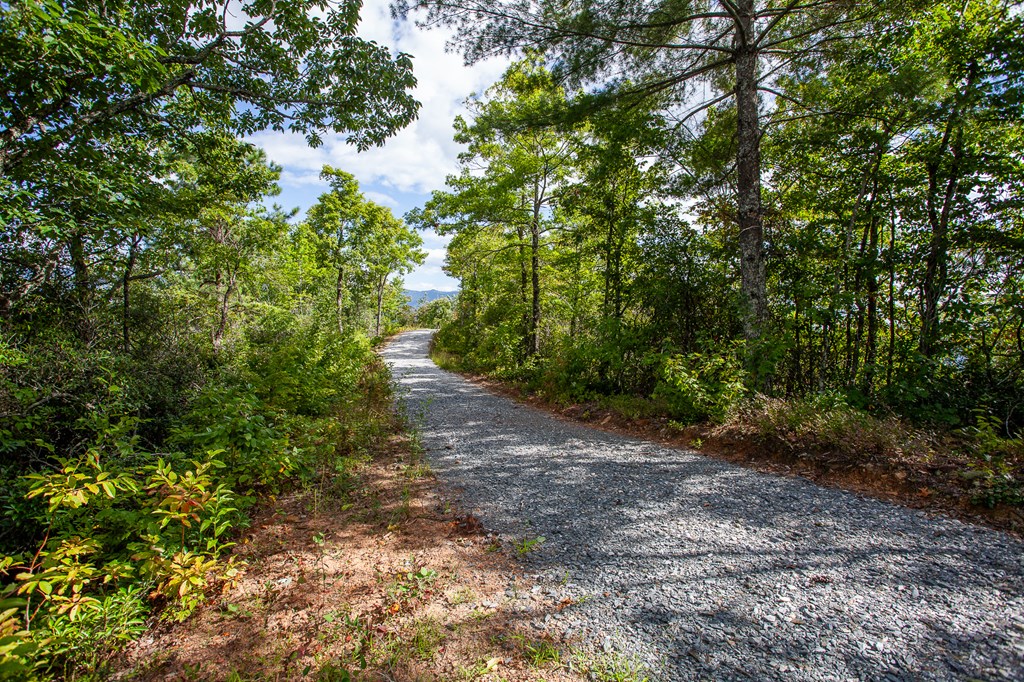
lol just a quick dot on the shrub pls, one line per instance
(701, 386)
(997, 474)
(234, 423)
(436, 313)
(825, 423)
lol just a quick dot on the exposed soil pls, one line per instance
(371, 577)
(933, 483)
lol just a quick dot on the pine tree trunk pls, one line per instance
(129, 269)
(83, 288)
(339, 291)
(535, 275)
(748, 180)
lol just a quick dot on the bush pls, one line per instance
(825, 423)
(303, 368)
(997, 474)
(110, 511)
(702, 386)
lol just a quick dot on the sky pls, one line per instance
(401, 174)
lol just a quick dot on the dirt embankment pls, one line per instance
(930, 479)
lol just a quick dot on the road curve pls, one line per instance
(705, 570)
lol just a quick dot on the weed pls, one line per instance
(529, 545)
(234, 611)
(427, 635)
(408, 586)
(538, 652)
(404, 510)
(332, 672)
(463, 595)
(418, 471)
(997, 463)
(480, 615)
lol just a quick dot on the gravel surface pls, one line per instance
(705, 570)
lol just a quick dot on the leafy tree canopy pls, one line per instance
(76, 71)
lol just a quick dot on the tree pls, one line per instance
(94, 93)
(389, 248)
(332, 219)
(76, 70)
(509, 177)
(660, 49)
(219, 182)
(362, 242)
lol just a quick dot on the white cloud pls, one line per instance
(381, 199)
(418, 158)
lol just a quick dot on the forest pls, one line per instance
(699, 210)
(831, 242)
(174, 346)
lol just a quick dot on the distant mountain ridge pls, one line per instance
(418, 298)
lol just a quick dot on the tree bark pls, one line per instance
(524, 279)
(535, 272)
(380, 301)
(936, 262)
(748, 180)
(82, 287)
(939, 209)
(225, 303)
(339, 290)
(129, 269)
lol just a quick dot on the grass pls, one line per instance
(426, 636)
(538, 652)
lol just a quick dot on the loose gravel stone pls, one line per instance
(706, 570)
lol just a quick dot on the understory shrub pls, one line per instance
(702, 386)
(997, 462)
(119, 519)
(826, 423)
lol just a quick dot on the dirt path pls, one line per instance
(705, 570)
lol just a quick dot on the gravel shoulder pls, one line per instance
(705, 570)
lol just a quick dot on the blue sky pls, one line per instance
(402, 173)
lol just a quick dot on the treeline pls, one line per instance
(852, 235)
(172, 345)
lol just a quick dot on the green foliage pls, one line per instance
(538, 652)
(892, 231)
(528, 545)
(167, 352)
(233, 424)
(360, 248)
(436, 313)
(997, 474)
(701, 386)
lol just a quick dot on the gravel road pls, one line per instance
(705, 570)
